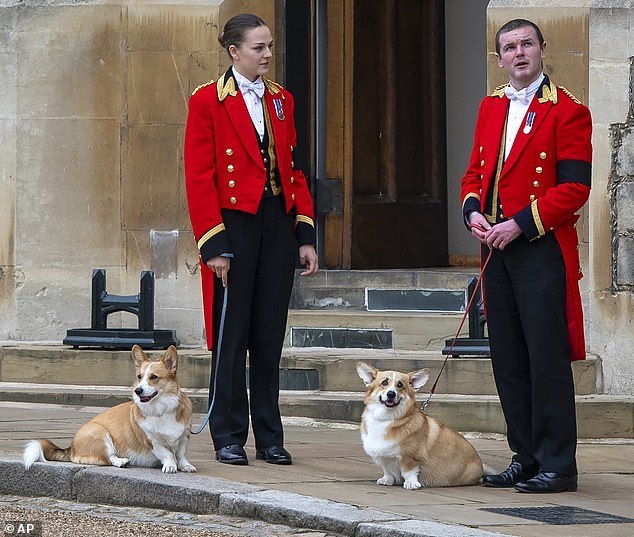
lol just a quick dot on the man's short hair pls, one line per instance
(515, 24)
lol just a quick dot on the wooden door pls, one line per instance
(386, 129)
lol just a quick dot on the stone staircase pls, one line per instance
(320, 382)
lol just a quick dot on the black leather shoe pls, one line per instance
(232, 454)
(514, 474)
(549, 482)
(274, 455)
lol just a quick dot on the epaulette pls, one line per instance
(203, 86)
(572, 97)
(499, 91)
(273, 87)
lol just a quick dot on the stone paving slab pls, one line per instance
(330, 465)
(418, 528)
(300, 510)
(151, 488)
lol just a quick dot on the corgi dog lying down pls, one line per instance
(151, 430)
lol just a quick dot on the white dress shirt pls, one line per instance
(252, 100)
(520, 101)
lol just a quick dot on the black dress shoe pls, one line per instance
(549, 482)
(274, 455)
(514, 474)
(232, 454)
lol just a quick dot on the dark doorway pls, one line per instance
(399, 191)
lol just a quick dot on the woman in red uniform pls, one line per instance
(250, 209)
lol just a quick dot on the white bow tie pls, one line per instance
(256, 87)
(523, 95)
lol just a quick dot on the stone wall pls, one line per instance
(611, 282)
(93, 102)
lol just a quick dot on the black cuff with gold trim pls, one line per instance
(305, 233)
(527, 224)
(214, 246)
(471, 204)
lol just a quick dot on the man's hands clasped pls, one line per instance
(498, 236)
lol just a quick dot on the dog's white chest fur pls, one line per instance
(375, 441)
(163, 427)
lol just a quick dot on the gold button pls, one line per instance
(293, 197)
(292, 179)
(230, 168)
(536, 184)
(482, 163)
(232, 183)
(500, 206)
(481, 149)
(292, 164)
(532, 197)
(265, 159)
(292, 148)
(229, 151)
(538, 169)
(501, 215)
(232, 200)
(481, 176)
(262, 151)
(542, 155)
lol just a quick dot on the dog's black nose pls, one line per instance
(138, 390)
(391, 394)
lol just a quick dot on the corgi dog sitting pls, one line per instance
(151, 430)
(413, 449)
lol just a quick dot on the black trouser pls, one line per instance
(525, 292)
(260, 283)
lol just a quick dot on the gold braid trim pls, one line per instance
(213, 231)
(273, 87)
(305, 219)
(537, 219)
(549, 94)
(499, 91)
(226, 88)
(203, 86)
(470, 195)
(572, 97)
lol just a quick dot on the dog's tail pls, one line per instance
(43, 450)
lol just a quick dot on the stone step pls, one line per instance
(324, 369)
(409, 330)
(598, 416)
(333, 289)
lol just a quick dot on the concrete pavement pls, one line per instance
(330, 487)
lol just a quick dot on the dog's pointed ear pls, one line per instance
(139, 356)
(170, 359)
(366, 372)
(418, 378)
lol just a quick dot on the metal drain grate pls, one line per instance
(560, 515)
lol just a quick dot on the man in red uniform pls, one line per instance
(528, 174)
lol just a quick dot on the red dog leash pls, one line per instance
(433, 388)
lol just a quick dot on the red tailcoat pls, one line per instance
(224, 169)
(544, 180)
